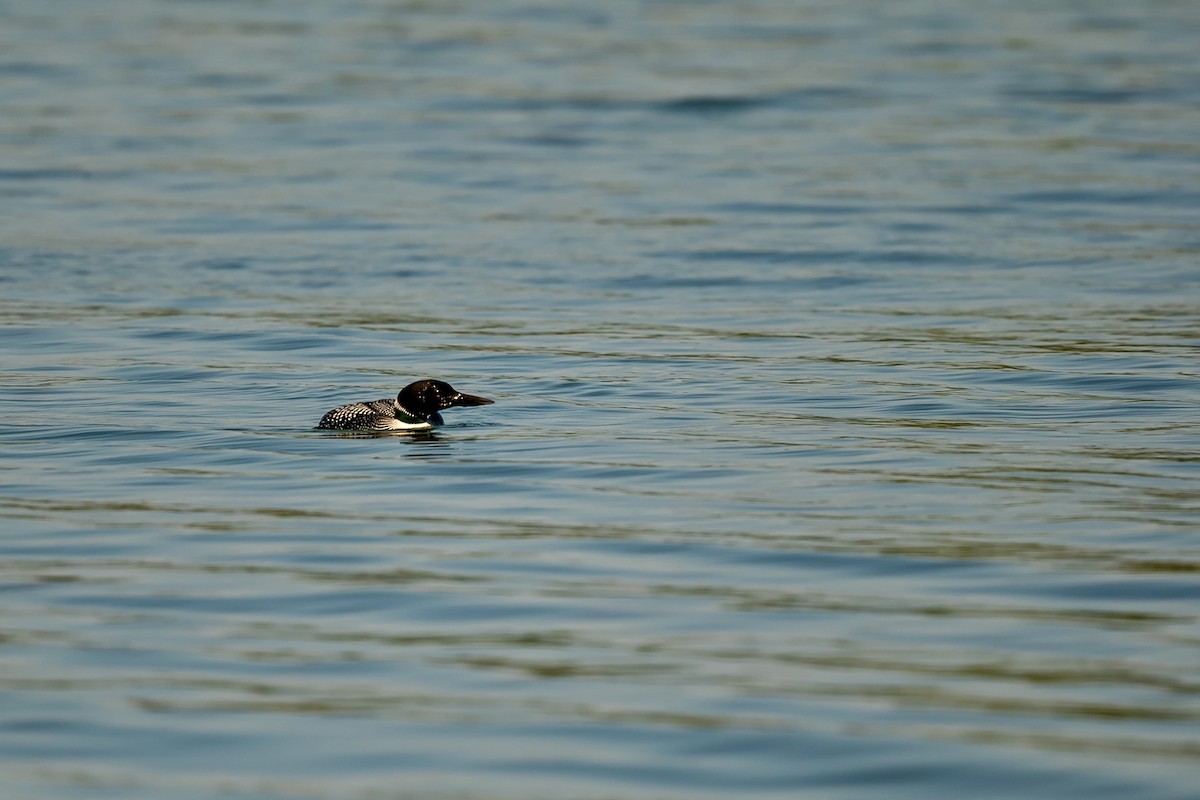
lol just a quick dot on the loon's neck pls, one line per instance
(404, 415)
(409, 418)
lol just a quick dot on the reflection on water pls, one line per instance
(846, 424)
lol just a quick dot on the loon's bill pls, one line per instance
(415, 408)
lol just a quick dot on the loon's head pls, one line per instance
(425, 398)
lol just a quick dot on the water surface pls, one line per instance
(845, 360)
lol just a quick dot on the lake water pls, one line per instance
(846, 360)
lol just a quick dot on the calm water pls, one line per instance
(846, 362)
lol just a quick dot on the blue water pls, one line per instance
(845, 359)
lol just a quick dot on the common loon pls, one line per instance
(414, 409)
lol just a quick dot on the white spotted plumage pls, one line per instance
(376, 415)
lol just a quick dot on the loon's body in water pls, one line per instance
(414, 409)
